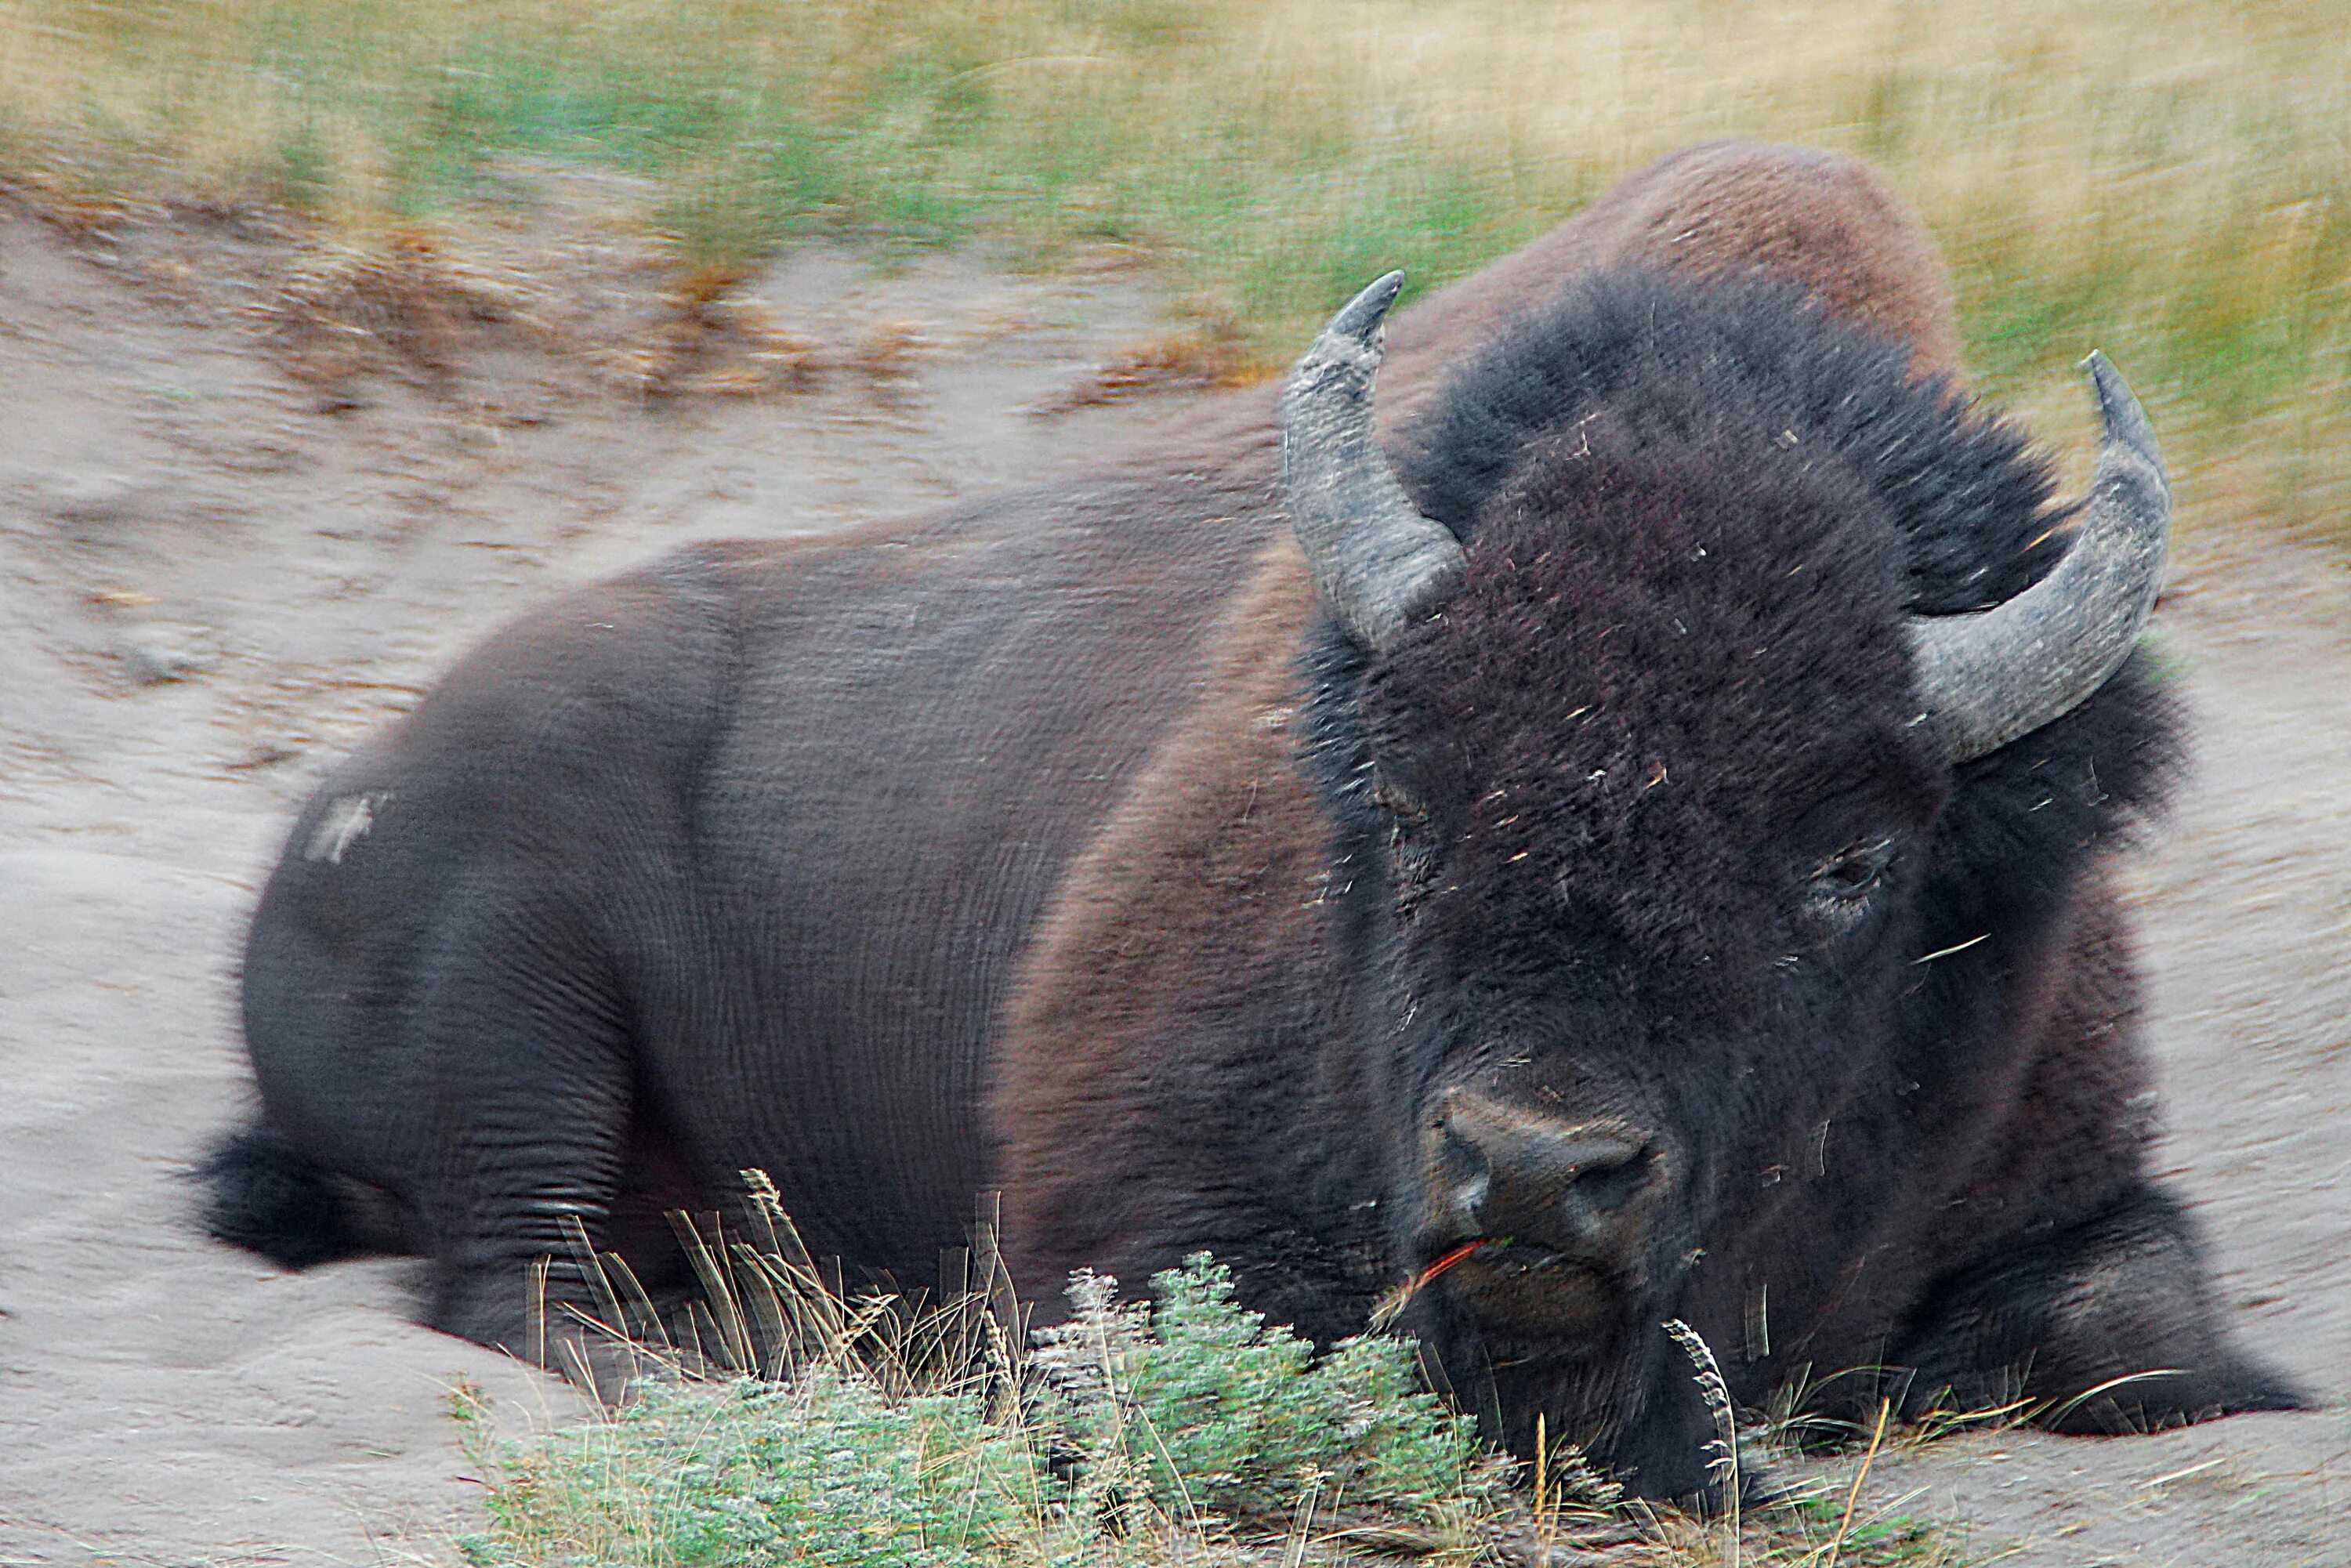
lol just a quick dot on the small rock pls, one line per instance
(91, 497)
(154, 655)
(266, 754)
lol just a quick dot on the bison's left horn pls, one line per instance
(1992, 676)
(1376, 560)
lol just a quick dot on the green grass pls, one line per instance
(2171, 181)
(825, 1470)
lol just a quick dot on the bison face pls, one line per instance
(1642, 810)
(1635, 767)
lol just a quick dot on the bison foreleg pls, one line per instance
(2109, 1326)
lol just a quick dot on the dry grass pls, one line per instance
(1210, 348)
(2168, 181)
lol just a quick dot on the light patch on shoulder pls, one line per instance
(347, 822)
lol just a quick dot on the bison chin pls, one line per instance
(1553, 1248)
(1612, 1381)
(1534, 1293)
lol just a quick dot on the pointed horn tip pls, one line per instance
(2119, 412)
(2105, 380)
(1361, 316)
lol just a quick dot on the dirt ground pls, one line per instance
(247, 512)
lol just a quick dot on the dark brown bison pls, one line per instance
(1656, 832)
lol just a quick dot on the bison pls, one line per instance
(1635, 817)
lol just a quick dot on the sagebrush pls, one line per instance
(1129, 1432)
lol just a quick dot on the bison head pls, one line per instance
(1638, 749)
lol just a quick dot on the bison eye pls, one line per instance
(1845, 879)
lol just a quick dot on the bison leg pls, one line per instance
(533, 1082)
(1665, 1446)
(2108, 1326)
(1658, 1437)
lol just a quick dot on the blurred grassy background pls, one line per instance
(2168, 181)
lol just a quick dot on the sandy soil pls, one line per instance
(217, 571)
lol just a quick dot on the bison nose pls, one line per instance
(1590, 1189)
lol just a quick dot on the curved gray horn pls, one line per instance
(2002, 673)
(1376, 559)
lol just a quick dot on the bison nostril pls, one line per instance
(1470, 1195)
(1608, 1185)
(1463, 1177)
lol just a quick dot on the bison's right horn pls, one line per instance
(1376, 559)
(1992, 676)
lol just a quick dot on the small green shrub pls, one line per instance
(1134, 1430)
(1136, 1435)
(1201, 1408)
(824, 1471)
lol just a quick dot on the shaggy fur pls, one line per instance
(1060, 846)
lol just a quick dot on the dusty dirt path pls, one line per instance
(212, 581)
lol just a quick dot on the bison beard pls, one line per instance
(1602, 892)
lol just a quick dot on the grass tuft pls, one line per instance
(825, 1470)
(1198, 1411)
(893, 1436)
